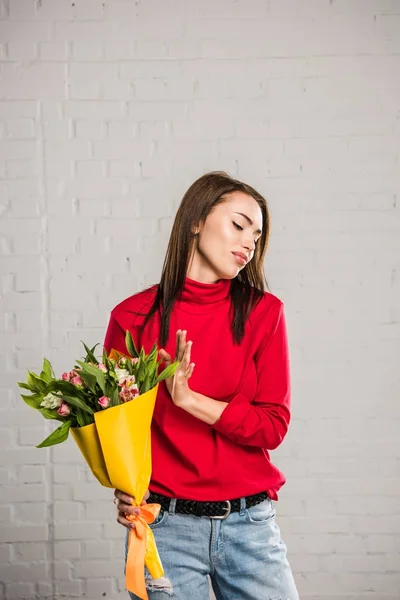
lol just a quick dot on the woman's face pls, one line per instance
(231, 229)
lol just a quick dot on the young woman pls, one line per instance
(227, 405)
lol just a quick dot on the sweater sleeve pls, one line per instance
(263, 421)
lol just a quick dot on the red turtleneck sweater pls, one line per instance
(230, 459)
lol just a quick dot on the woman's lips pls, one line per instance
(239, 258)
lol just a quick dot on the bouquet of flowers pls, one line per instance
(108, 406)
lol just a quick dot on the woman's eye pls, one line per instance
(237, 226)
(241, 229)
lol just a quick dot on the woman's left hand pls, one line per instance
(178, 385)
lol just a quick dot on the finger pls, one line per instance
(165, 356)
(186, 356)
(128, 509)
(189, 371)
(122, 520)
(178, 337)
(123, 497)
(182, 345)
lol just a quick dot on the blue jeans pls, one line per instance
(243, 556)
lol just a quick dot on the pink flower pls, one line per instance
(102, 367)
(104, 401)
(77, 381)
(129, 392)
(64, 409)
(65, 376)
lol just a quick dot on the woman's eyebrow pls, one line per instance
(249, 220)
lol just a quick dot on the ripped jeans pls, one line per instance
(243, 557)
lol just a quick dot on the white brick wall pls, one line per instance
(109, 109)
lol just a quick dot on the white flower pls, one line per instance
(51, 401)
(130, 381)
(121, 374)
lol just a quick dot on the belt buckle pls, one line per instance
(227, 512)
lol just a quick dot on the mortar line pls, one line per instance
(45, 327)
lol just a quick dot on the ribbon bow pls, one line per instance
(142, 550)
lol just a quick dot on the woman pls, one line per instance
(227, 405)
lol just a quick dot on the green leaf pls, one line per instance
(33, 401)
(114, 398)
(90, 354)
(35, 382)
(140, 367)
(51, 413)
(105, 357)
(65, 387)
(153, 353)
(99, 375)
(130, 345)
(83, 419)
(168, 372)
(59, 435)
(90, 381)
(146, 385)
(78, 403)
(47, 373)
(25, 386)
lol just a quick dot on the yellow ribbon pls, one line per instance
(142, 549)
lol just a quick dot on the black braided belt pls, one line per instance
(214, 510)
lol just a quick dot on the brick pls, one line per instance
(91, 569)
(76, 530)
(18, 590)
(96, 588)
(5, 553)
(98, 549)
(54, 50)
(35, 551)
(33, 572)
(90, 130)
(20, 128)
(22, 456)
(92, 9)
(114, 531)
(67, 473)
(7, 438)
(93, 111)
(31, 436)
(22, 168)
(50, 75)
(45, 590)
(27, 533)
(31, 474)
(61, 492)
(31, 512)
(17, 149)
(66, 511)
(63, 570)
(92, 491)
(69, 588)
(5, 514)
(24, 493)
(67, 550)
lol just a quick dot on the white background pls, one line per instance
(109, 110)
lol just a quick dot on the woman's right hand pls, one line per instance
(124, 504)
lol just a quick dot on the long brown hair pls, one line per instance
(246, 289)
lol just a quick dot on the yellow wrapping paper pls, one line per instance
(117, 448)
